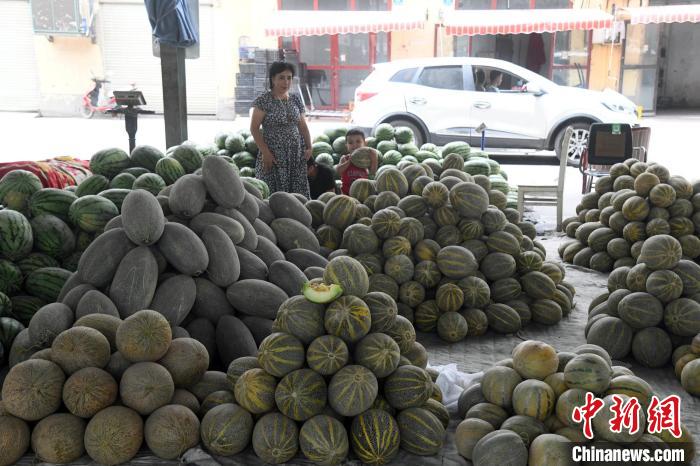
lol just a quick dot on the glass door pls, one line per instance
(639, 65)
(571, 58)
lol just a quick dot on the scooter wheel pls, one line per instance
(86, 112)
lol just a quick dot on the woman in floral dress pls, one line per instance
(284, 140)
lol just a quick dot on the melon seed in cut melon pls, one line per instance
(321, 293)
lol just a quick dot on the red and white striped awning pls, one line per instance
(662, 14)
(481, 22)
(287, 23)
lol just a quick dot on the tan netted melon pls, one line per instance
(498, 384)
(114, 435)
(171, 430)
(527, 427)
(58, 438)
(601, 423)
(106, 324)
(146, 386)
(500, 447)
(535, 359)
(14, 439)
(226, 429)
(534, 398)
(117, 365)
(185, 398)
(187, 360)
(32, 389)
(144, 336)
(88, 391)
(80, 347)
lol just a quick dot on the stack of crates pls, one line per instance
(252, 79)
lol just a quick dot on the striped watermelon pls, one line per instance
(109, 162)
(15, 235)
(146, 157)
(151, 182)
(52, 236)
(46, 283)
(51, 201)
(93, 184)
(91, 213)
(16, 187)
(169, 169)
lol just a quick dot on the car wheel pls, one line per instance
(419, 139)
(577, 144)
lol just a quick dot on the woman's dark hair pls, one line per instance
(480, 76)
(279, 67)
(495, 74)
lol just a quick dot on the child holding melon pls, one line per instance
(358, 163)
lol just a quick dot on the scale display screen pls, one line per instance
(609, 143)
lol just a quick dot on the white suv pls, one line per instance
(446, 99)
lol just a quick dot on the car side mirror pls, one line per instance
(535, 89)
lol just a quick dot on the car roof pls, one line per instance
(437, 61)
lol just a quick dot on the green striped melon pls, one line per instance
(301, 318)
(52, 236)
(498, 265)
(682, 317)
(392, 180)
(602, 428)
(613, 335)
(652, 347)
(456, 262)
(588, 372)
(280, 354)
(640, 310)
(151, 182)
(301, 394)
(375, 437)
(400, 268)
(379, 353)
(662, 195)
(324, 440)
(349, 318)
(534, 398)
(327, 354)
(427, 273)
(489, 412)
(403, 333)
(275, 438)
(349, 274)
(661, 252)
(498, 383)
(352, 390)
(527, 427)
(500, 447)
(396, 246)
(503, 318)
(426, 316)
(469, 199)
(452, 327)
(51, 201)
(226, 429)
(665, 285)
(383, 310)
(408, 386)
(476, 292)
(449, 297)
(421, 432)
(567, 402)
(255, 391)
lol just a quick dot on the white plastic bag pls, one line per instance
(452, 382)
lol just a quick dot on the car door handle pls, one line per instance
(482, 105)
(418, 100)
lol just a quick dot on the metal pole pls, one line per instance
(172, 65)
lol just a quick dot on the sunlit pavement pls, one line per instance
(28, 137)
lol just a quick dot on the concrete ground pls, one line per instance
(28, 137)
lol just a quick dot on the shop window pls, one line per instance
(574, 77)
(461, 46)
(315, 50)
(548, 4)
(382, 47)
(641, 43)
(372, 5)
(473, 5)
(442, 77)
(512, 4)
(404, 76)
(571, 48)
(340, 5)
(297, 5)
(353, 49)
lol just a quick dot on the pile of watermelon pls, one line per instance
(651, 309)
(522, 410)
(451, 253)
(636, 201)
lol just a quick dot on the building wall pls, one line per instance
(65, 67)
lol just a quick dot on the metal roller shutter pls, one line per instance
(19, 77)
(125, 37)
